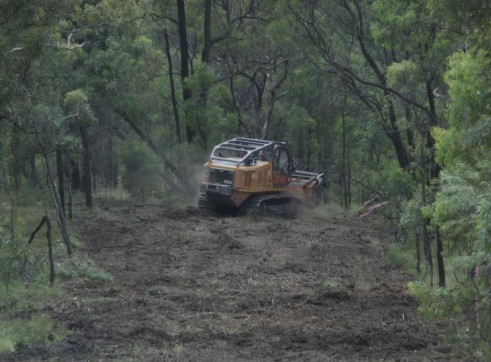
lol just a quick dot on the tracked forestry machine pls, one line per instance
(252, 176)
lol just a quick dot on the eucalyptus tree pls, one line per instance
(124, 70)
(420, 47)
(463, 203)
(37, 55)
(256, 72)
(393, 62)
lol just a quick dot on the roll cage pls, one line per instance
(246, 151)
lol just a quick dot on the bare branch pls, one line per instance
(70, 45)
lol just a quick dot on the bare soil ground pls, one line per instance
(189, 287)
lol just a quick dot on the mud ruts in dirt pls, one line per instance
(200, 288)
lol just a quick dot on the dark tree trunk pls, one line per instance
(75, 177)
(44, 220)
(240, 124)
(16, 168)
(345, 166)
(61, 177)
(56, 200)
(50, 251)
(418, 254)
(409, 130)
(397, 141)
(427, 247)
(426, 221)
(434, 175)
(94, 181)
(70, 193)
(33, 178)
(439, 259)
(205, 55)
(184, 52)
(87, 177)
(172, 88)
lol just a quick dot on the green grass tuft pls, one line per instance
(22, 323)
(19, 333)
(82, 267)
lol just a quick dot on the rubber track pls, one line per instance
(273, 205)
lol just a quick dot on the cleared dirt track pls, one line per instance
(189, 287)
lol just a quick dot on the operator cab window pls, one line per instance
(228, 153)
(281, 159)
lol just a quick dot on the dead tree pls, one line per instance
(57, 203)
(46, 220)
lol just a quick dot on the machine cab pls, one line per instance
(283, 165)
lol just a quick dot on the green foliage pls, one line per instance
(437, 303)
(405, 76)
(33, 327)
(402, 257)
(463, 203)
(396, 186)
(411, 217)
(77, 105)
(467, 305)
(19, 333)
(462, 207)
(208, 112)
(13, 251)
(454, 207)
(141, 173)
(303, 136)
(469, 115)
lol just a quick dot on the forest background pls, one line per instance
(392, 98)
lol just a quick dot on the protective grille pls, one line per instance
(221, 176)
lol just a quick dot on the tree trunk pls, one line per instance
(76, 179)
(61, 177)
(345, 166)
(50, 250)
(240, 124)
(439, 259)
(16, 169)
(56, 200)
(426, 222)
(184, 52)
(33, 178)
(87, 177)
(172, 88)
(70, 193)
(396, 138)
(205, 55)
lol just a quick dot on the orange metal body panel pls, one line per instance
(257, 179)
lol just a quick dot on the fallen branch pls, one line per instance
(43, 220)
(371, 209)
